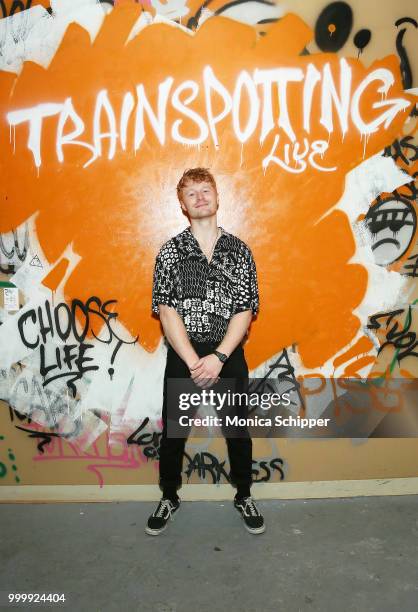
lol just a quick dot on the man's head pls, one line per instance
(197, 193)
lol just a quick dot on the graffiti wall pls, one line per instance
(305, 113)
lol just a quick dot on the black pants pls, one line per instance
(172, 449)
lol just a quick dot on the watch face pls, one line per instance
(221, 356)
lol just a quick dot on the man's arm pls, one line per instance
(207, 369)
(164, 302)
(176, 334)
(237, 329)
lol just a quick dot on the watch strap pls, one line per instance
(221, 356)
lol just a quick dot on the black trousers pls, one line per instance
(172, 449)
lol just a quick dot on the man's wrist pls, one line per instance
(192, 360)
(221, 356)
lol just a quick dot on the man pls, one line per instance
(205, 292)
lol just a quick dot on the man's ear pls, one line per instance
(183, 209)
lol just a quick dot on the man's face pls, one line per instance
(199, 200)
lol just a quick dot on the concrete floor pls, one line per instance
(356, 554)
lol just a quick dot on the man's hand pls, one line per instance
(206, 371)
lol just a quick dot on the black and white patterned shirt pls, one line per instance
(206, 295)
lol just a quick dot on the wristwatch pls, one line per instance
(221, 356)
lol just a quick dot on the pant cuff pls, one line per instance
(170, 483)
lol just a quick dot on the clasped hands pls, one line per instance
(205, 371)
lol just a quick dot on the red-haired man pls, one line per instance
(205, 292)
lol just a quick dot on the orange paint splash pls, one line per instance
(54, 278)
(363, 345)
(117, 212)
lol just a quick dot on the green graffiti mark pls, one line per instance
(3, 469)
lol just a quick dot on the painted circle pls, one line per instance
(333, 26)
(362, 38)
(392, 224)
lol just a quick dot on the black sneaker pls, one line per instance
(253, 519)
(157, 522)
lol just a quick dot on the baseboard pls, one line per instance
(199, 492)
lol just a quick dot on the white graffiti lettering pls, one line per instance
(261, 92)
(318, 147)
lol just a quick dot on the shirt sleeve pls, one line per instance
(163, 288)
(247, 297)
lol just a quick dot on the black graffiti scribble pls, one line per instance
(150, 441)
(411, 269)
(405, 66)
(37, 399)
(403, 340)
(15, 413)
(269, 467)
(202, 462)
(68, 360)
(412, 186)
(404, 149)
(17, 5)
(45, 436)
(193, 21)
(281, 371)
(50, 321)
(407, 151)
(20, 5)
(233, 3)
(205, 462)
(16, 249)
(9, 269)
(21, 253)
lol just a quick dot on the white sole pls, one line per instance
(255, 531)
(155, 532)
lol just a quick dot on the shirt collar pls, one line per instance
(192, 240)
(188, 230)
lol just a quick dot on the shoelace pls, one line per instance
(163, 506)
(249, 503)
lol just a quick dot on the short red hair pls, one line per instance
(195, 175)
